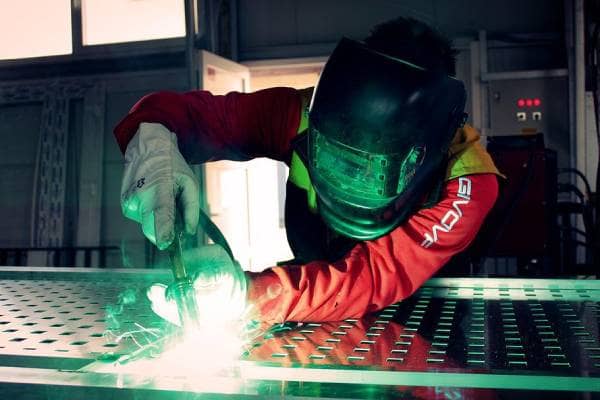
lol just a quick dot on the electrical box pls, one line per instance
(530, 106)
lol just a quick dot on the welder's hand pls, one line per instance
(219, 283)
(156, 180)
(219, 286)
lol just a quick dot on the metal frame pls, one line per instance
(92, 89)
(284, 63)
(477, 89)
(250, 375)
(575, 42)
(206, 58)
(87, 256)
(49, 187)
(275, 52)
(531, 74)
(89, 216)
(75, 273)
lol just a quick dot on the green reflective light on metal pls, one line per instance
(518, 289)
(439, 379)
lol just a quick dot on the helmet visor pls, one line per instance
(365, 179)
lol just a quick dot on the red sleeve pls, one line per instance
(375, 274)
(236, 126)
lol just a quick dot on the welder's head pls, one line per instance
(379, 130)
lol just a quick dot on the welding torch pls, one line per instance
(182, 289)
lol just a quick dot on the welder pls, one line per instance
(386, 180)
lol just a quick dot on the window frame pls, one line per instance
(81, 52)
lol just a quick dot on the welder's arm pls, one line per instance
(166, 130)
(378, 273)
(236, 126)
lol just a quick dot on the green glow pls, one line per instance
(114, 311)
(409, 167)
(119, 328)
(195, 355)
(220, 293)
(195, 358)
(252, 370)
(219, 284)
(516, 289)
(215, 303)
(166, 309)
(364, 174)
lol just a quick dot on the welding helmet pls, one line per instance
(379, 131)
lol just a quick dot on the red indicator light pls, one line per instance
(537, 102)
(521, 103)
(528, 102)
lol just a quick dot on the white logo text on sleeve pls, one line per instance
(452, 216)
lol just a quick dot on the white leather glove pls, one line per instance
(156, 180)
(219, 284)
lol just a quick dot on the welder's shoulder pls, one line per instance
(467, 156)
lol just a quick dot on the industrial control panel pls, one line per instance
(530, 106)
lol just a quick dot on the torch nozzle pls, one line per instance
(183, 294)
(182, 290)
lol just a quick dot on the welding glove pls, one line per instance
(219, 285)
(156, 180)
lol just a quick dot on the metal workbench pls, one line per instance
(455, 338)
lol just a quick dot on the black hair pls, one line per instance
(416, 42)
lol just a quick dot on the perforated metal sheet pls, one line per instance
(477, 333)
(433, 331)
(68, 318)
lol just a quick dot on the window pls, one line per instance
(34, 29)
(117, 21)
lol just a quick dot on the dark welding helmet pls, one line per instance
(379, 132)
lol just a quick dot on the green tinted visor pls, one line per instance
(364, 179)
